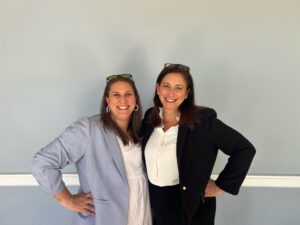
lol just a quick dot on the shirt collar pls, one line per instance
(161, 110)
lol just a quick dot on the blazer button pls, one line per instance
(184, 188)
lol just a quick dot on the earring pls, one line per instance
(107, 109)
(136, 108)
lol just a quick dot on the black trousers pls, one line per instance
(167, 207)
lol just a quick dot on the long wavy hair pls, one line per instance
(134, 121)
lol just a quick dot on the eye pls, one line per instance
(178, 88)
(166, 86)
(116, 95)
(128, 94)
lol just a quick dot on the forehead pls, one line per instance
(174, 78)
(121, 86)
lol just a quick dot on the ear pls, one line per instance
(187, 93)
(157, 89)
(107, 100)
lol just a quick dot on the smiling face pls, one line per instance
(172, 91)
(121, 101)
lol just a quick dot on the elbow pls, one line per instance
(252, 151)
(48, 178)
(35, 167)
(38, 166)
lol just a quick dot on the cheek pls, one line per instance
(111, 102)
(161, 90)
(161, 97)
(133, 101)
(157, 89)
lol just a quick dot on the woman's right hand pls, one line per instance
(82, 202)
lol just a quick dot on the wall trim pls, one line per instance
(22, 180)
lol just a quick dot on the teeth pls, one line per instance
(170, 100)
(123, 107)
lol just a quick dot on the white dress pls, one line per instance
(139, 204)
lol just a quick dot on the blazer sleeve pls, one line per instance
(68, 148)
(239, 149)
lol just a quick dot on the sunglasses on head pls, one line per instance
(117, 76)
(179, 66)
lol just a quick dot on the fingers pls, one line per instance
(88, 195)
(88, 209)
(209, 195)
(212, 190)
(85, 195)
(83, 202)
(87, 198)
(89, 203)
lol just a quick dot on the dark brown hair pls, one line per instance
(188, 109)
(134, 121)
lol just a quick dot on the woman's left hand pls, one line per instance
(212, 190)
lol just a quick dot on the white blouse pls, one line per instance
(161, 159)
(139, 205)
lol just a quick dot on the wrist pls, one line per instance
(64, 197)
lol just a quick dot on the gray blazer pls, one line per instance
(100, 166)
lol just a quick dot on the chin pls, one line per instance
(123, 117)
(172, 107)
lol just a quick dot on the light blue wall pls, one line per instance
(244, 57)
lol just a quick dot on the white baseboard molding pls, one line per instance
(23, 180)
(270, 181)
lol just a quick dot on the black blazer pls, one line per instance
(197, 150)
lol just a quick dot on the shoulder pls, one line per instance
(95, 124)
(204, 113)
(148, 112)
(148, 116)
(86, 123)
(88, 120)
(93, 119)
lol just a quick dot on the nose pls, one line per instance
(172, 91)
(122, 98)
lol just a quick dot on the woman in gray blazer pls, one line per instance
(106, 151)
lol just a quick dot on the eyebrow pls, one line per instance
(124, 92)
(177, 85)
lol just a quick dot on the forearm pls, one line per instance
(64, 197)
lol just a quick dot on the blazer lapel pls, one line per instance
(182, 132)
(148, 129)
(146, 135)
(115, 150)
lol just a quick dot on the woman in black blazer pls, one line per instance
(180, 145)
